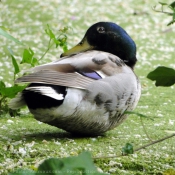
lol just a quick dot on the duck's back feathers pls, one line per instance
(86, 61)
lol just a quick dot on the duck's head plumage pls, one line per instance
(107, 37)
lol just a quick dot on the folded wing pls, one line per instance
(76, 71)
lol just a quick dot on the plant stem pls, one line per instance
(144, 128)
(137, 149)
(48, 48)
(161, 11)
(154, 142)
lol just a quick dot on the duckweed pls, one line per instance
(25, 142)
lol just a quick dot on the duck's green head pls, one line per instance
(107, 37)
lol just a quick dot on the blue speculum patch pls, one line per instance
(93, 75)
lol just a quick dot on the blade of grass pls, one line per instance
(10, 37)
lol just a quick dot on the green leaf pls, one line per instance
(127, 149)
(28, 57)
(14, 62)
(163, 76)
(49, 32)
(172, 5)
(61, 40)
(65, 47)
(8, 36)
(162, 3)
(57, 43)
(80, 165)
(15, 65)
(10, 92)
(23, 172)
(2, 84)
(170, 23)
(34, 62)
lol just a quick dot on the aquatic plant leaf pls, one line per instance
(163, 76)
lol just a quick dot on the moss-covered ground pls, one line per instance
(25, 142)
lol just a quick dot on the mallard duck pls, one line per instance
(88, 89)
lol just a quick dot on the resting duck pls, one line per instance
(88, 89)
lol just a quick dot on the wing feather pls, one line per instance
(57, 78)
(64, 71)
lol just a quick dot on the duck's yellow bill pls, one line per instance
(81, 47)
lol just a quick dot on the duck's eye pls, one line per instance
(101, 29)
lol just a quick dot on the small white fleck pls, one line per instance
(29, 145)
(99, 170)
(112, 163)
(159, 115)
(137, 136)
(171, 122)
(57, 143)
(93, 139)
(40, 122)
(10, 121)
(22, 151)
(4, 127)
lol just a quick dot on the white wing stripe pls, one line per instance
(47, 91)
